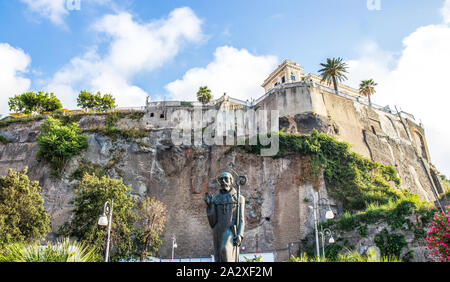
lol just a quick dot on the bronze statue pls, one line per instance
(226, 216)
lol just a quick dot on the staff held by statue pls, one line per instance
(241, 180)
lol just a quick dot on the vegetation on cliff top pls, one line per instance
(89, 101)
(31, 102)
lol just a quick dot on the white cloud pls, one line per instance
(446, 12)
(417, 83)
(236, 72)
(57, 10)
(13, 64)
(54, 10)
(133, 48)
(372, 63)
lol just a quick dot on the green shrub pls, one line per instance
(390, 245)
(89, 168)
(58, 143)
(332, 251)
(4, 140)
(347, 222)
(22, 214)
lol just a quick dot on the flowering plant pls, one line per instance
(439, 235)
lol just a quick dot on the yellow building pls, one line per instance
(287, 72)
(291, 72)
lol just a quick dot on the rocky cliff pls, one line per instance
(277, 197)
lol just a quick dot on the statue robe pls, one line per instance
(222, 218)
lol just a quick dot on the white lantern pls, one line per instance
(331, 241)
(103, 220)
(329, 214)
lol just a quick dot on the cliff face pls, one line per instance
(177, 176)
(277, 200)
(393, 139)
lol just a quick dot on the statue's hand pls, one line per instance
(237, 241)
(208, 199)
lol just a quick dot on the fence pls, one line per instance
(281, 254)
(266, 257)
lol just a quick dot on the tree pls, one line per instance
(151, 219)
(204, 94)
(22, 214)
(31, 102)
(90, 195)
(367, 88)
(107, 102)
(87, 100)
(58, 143)
(333, 71)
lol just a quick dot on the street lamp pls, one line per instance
(328, 215)
(103, 221)
(174, 244)
(326, 233)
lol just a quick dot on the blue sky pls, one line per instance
(304, 31)
(167, 49)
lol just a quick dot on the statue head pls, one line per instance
(226, 181)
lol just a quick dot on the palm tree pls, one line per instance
(204, 94)
(333, 71)
(367, 88)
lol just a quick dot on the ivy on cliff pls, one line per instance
(350, 178)
(370, 192)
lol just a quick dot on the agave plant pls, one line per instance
(62, 251)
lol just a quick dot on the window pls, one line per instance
(283, 79)
(293, 77)
(161, 116)
(152, 114)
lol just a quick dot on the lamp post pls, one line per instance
(329, 215)
(174, 244)
(103, 221)
(326, 233)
